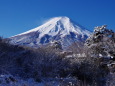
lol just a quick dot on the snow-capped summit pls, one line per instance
(57, 28)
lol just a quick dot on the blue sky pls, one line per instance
(17, 16)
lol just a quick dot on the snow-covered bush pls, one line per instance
(47, 63)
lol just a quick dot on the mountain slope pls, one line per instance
(56, 29)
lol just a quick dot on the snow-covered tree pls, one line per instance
(101, 43)
(56, 45)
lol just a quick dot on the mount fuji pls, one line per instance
(60, 29)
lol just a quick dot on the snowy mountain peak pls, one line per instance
(53, 22)
(57, 28)
(56, 25)
(61, 19)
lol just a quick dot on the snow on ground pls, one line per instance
(9, 80)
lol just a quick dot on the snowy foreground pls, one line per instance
(8, 80)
